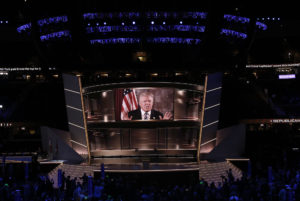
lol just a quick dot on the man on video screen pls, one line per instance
(145, 111)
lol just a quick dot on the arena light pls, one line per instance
(58, 34)
(106, 29)
(228, 32)
(261, 26)
(24, 27)
(51, 20)
(150, 15)
(287, 76)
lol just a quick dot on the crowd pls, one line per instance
(280, 183)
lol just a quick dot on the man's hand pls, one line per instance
(167, 116)
(126, 117)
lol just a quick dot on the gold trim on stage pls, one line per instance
(201, 119)
(85, 123)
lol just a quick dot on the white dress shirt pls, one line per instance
(143, 115)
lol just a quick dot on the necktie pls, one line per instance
(146, 116)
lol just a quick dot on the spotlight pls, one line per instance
(97, 24)
(164, 22)
(89, 24)
(133, 22)
(180, 22)
(104, 23)
(123, 23)
(152, 22)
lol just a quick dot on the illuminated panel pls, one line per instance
(228, 32)
(153, 14)
(24, 27)
(52, 20)
(287, 76)
(174, 40)
(272, 65)
(168, 40)
(58, 34)
(211, 112)
(244, 20)
(261, 25)
(177, 28)
(236, 18)
(115, 41)
(106, 29)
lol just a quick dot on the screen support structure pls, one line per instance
(84, 121)
(201, 119)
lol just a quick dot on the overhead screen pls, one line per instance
(143, 116)
(143, 104)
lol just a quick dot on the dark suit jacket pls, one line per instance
(137, 114)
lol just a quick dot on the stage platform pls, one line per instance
(184, 172)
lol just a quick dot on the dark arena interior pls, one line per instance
(149, 100)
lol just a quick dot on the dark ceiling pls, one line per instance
(276, 45)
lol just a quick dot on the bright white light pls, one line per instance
(179, 100)
(1, 106)
(123, 23)
(105, 118)
(133, 22)
(164, 22)
(97, 24)
(89, 24)
(152, 22)
(104, 23)
(180, 92)
(104, 94)
(180, 22)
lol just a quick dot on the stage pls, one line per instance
(167, 172)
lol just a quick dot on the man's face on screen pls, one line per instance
(146, 103)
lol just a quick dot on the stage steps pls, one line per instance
(72, 171)
(211, 172)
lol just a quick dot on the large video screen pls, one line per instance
(143, 104)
